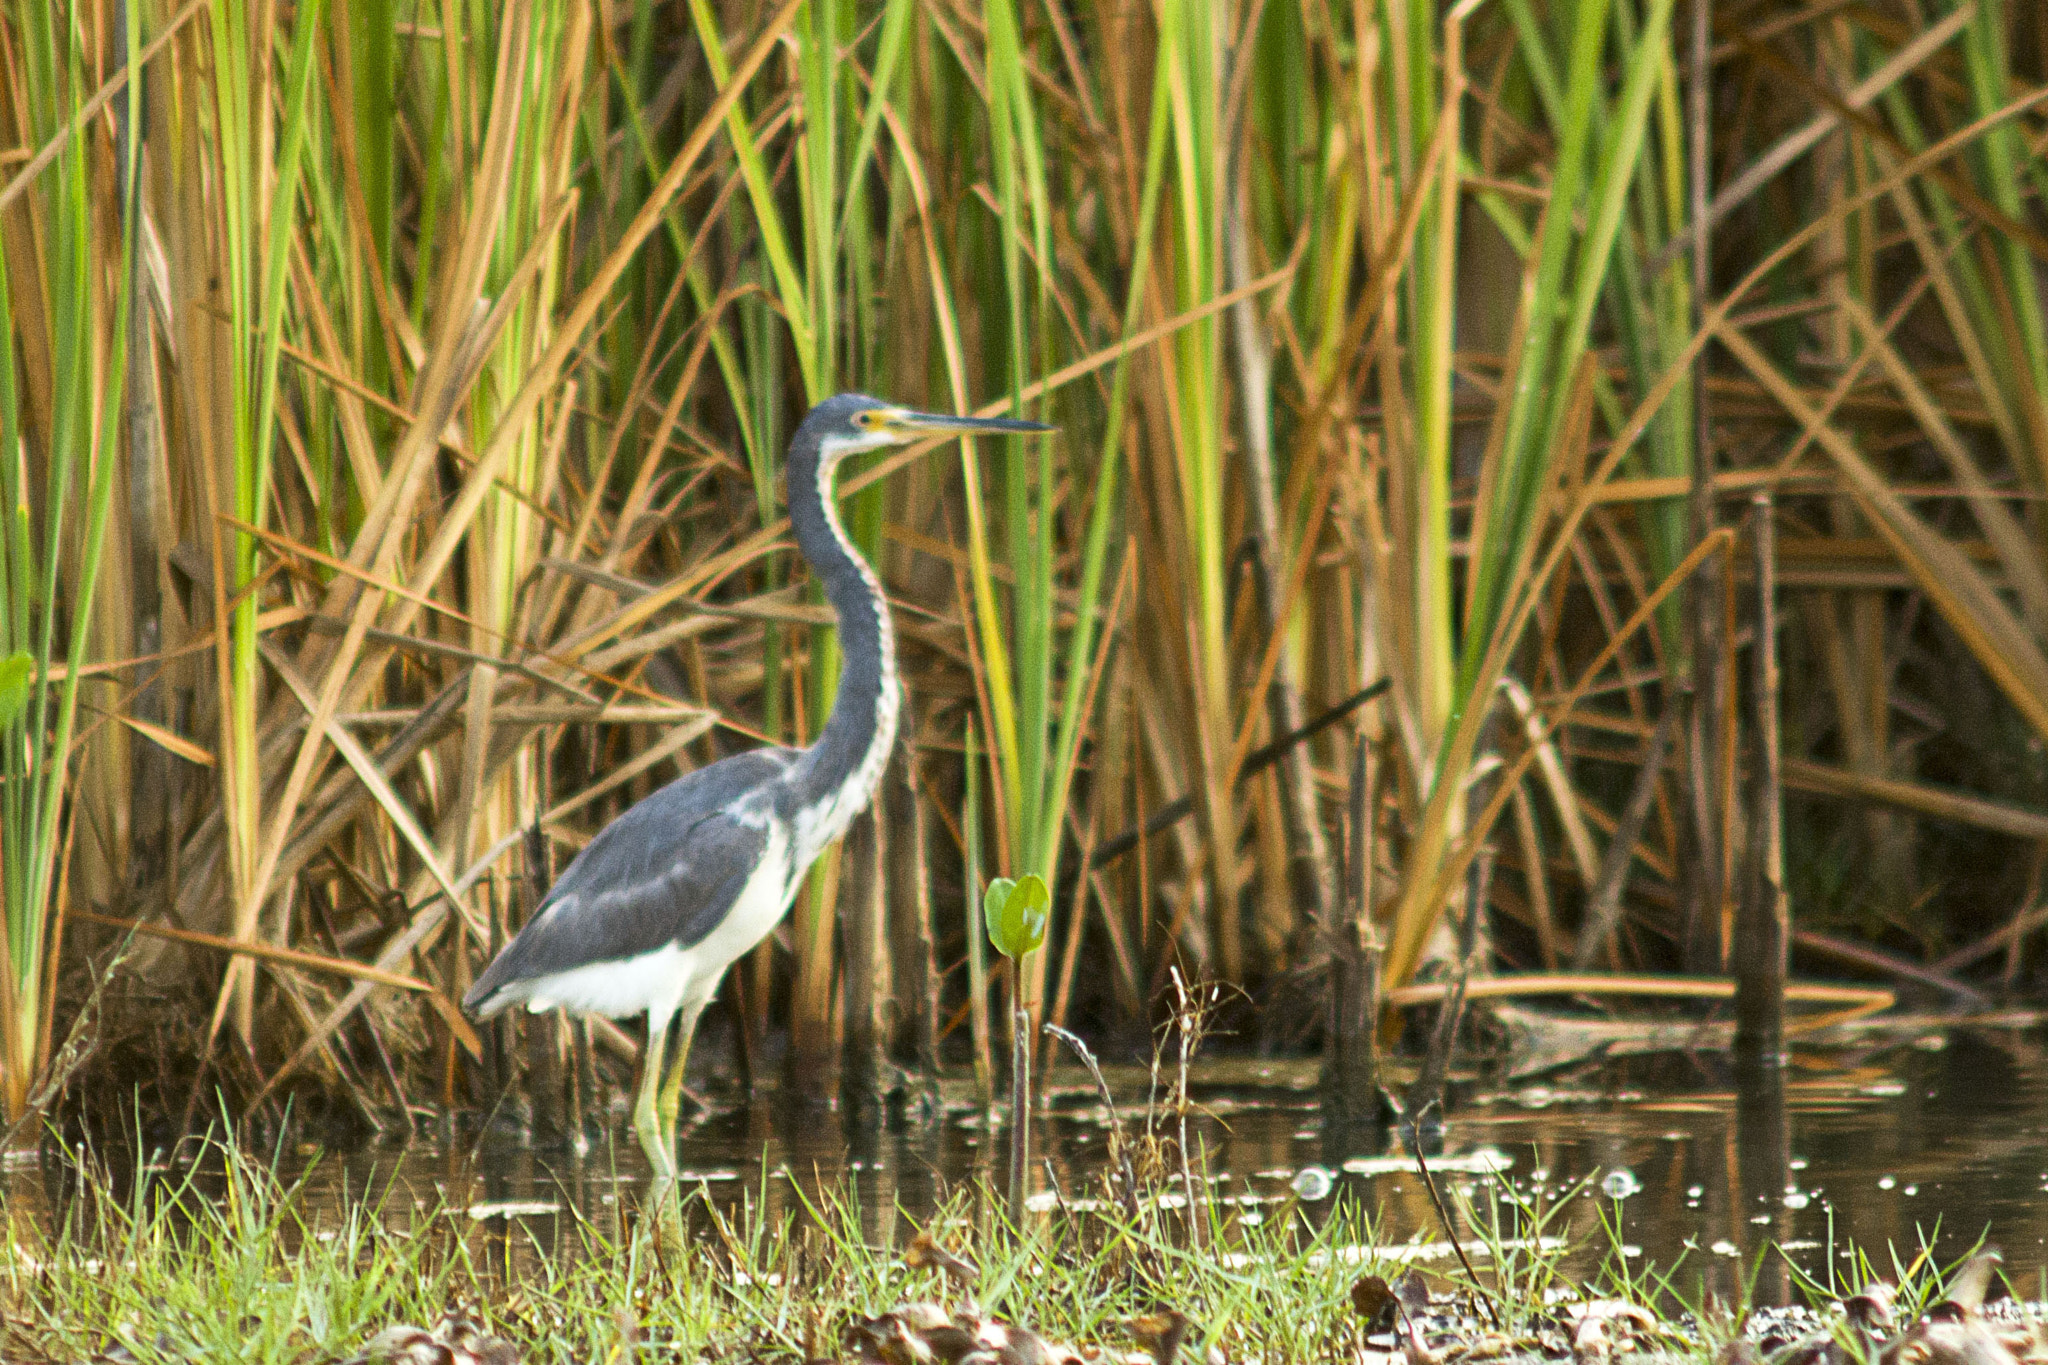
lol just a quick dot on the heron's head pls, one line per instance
(853, 421)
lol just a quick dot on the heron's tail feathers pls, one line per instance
(493, 992)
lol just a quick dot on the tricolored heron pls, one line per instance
(650, 914)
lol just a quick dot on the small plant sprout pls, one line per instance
(1016, 912)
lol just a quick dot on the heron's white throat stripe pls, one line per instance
(829, 820)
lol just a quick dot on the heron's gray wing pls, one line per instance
(666, 871)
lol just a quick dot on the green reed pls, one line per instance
(64, 314)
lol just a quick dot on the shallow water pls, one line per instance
(1927, 1136)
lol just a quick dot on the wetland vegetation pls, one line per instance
(219, 1258)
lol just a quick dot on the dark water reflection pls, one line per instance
(1928, 1136)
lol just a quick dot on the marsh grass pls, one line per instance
(235, 1264)
(222, 1259)
(219, 1257)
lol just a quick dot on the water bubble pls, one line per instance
(1312, 1183)
(1797, 1199)
(1695, 1191)
(1620, 1183)
(1724, 1247)
(1912, 1189)
(1886, 1182)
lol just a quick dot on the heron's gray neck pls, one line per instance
(840, 770)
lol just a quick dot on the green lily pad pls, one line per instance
(1016, 912)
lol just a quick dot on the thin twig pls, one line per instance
(1119, 1149)
(1443, 1214)
(1603, 907)
(1258, 760)
(289, 957)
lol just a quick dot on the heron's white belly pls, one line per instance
(662, 980)
(619, 989)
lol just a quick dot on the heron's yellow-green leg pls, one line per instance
(657, 1139)
(672, 1084)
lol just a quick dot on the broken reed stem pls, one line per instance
(1350, 1065)
(1763, 943)
(1704, 894)
(924, 988)
(1308, 854)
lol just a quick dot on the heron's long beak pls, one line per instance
(920, 424)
